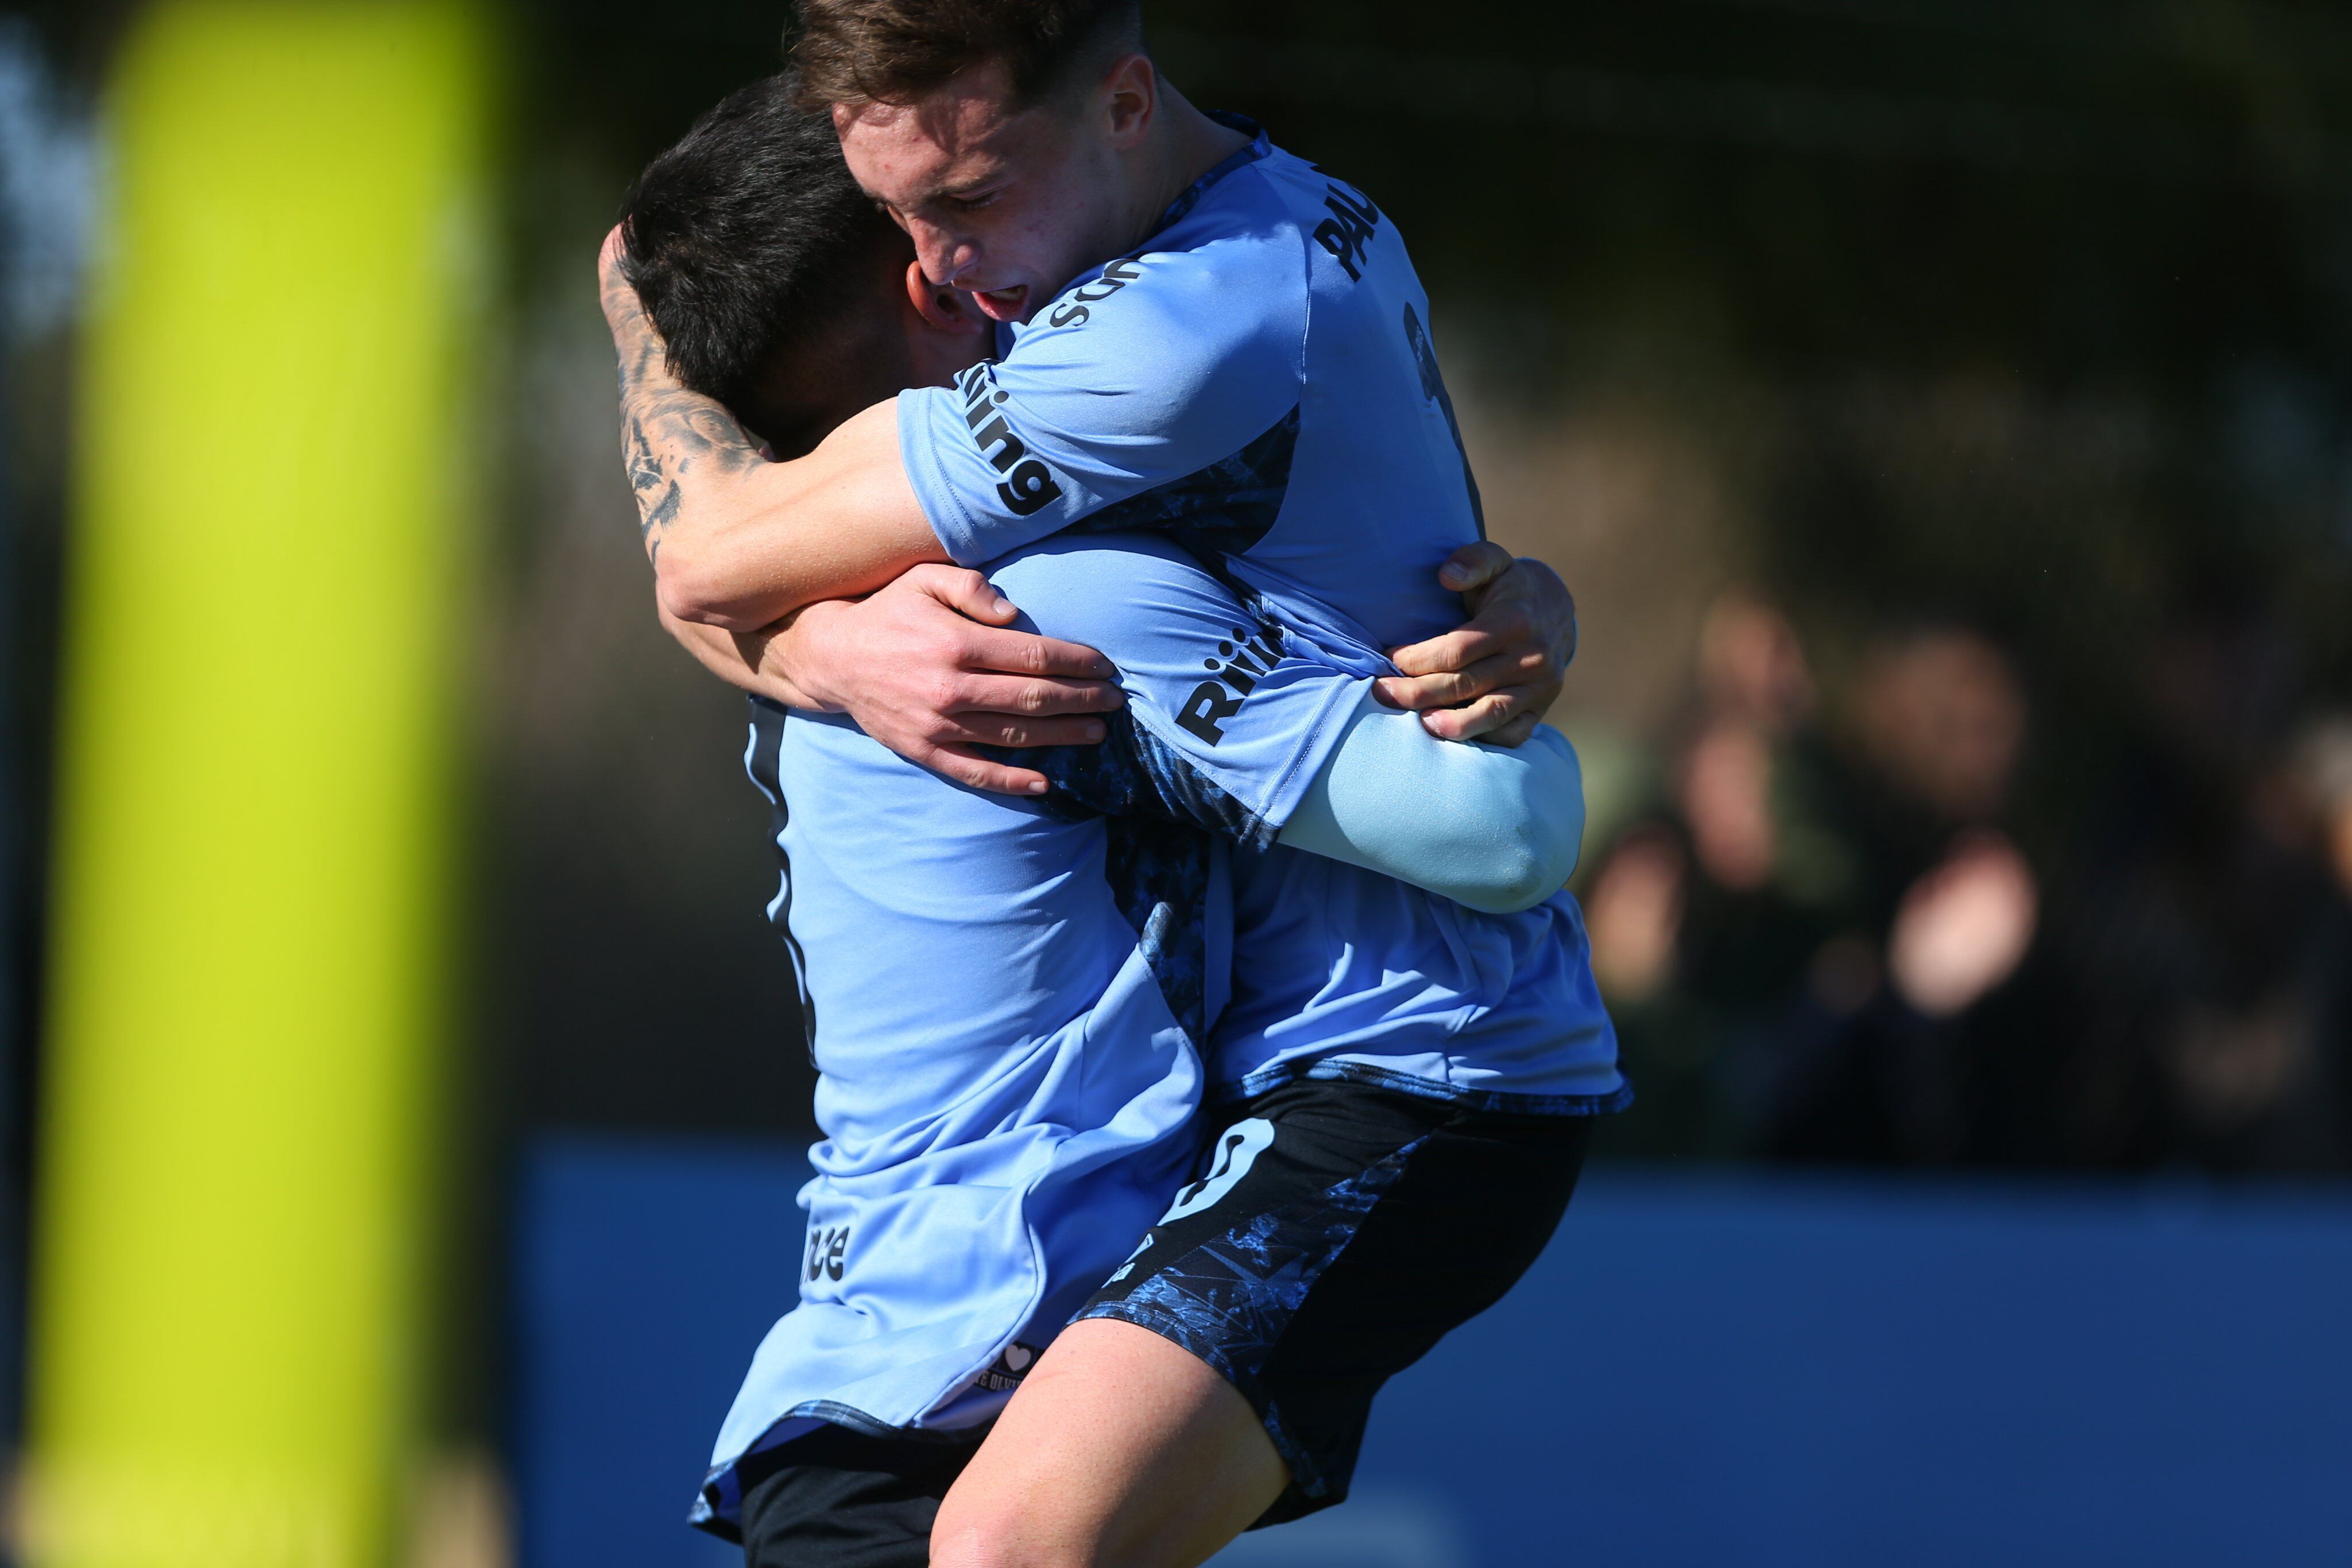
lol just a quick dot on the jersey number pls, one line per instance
(1432, 387)
(1238, 1147)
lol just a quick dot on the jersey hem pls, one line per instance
(718, 1505)
(1328, 1071)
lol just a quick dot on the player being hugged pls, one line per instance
(1202, 337)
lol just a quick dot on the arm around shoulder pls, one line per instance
(746, 542)
(738, 540)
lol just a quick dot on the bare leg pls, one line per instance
(1120, 1450)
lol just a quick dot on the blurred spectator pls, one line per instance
(1634, 913)
(1940, 714)
(1691, 930)
(1941, 717)
(1814, 948)
(1755, 691)
(2325, 758)
(1963, 927)
(2213, 938)
(1701, 914)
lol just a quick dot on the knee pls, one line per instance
(984, 1536)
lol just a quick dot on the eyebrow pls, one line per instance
(962, 189)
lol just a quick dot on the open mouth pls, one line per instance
(1003, 304)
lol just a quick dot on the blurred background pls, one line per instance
(1943, 412)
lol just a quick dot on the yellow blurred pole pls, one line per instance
(241, 1075)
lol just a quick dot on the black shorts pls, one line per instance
(1336, 1232)
(839, 1498)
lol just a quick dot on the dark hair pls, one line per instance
(748, 236)
(897, 51)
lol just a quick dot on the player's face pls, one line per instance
(805, 398)
(876, 349)
(1004, 203)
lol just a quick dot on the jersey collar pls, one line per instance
(1259, 147)
(1241, 157)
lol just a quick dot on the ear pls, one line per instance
(943, 309)
(1132, 89)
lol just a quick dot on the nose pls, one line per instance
(946, 258)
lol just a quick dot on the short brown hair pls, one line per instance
(898, 51)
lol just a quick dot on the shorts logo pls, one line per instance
(827, 1247)
(1238, 1147)
(1029, 486)
(1349, 230)
(1132, 1259)
(1241, 664)
(1009, 1368)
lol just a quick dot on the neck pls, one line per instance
(1182, 145)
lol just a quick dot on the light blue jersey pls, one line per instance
(1257, 384)
(1257, 381)
(1340, 973)
(1007, 997)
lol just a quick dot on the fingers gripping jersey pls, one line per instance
(1256, 380)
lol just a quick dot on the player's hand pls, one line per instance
(927, 667)
(1493, 678)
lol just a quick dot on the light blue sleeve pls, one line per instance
(1497, 829)
(1160, 369)
(1227, 719)
(1232, 726)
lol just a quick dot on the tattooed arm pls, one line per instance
(747, 661)
(928, 665)
(737, 541)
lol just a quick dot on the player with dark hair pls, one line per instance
(1010, 1059)
(1198, 335)
(748, 237)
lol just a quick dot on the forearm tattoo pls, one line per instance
(667, 433)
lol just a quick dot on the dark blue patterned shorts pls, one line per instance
(1335, 1232)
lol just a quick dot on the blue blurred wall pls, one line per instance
(1704, 1370)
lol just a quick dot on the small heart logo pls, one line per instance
(1018, 1356)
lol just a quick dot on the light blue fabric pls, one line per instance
(1337, 970)
(1338, 973)
(1008, 997)
(1496, 828)
(1258, 383)
(1232, 715)
(1002, 1077)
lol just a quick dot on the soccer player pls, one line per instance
(1008, 994)
(1203, 335)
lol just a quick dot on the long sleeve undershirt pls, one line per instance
(1497, 829)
